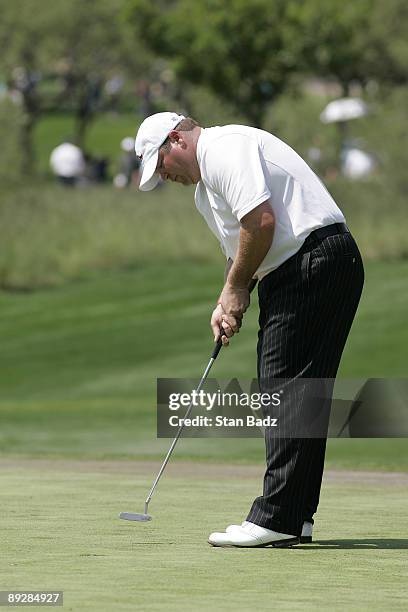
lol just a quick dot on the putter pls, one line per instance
(132, 516)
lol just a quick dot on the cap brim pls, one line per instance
(149, 177)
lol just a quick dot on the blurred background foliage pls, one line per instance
(93, 71)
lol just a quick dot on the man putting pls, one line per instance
(276, 222)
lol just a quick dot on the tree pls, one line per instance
(95, 42)
(246, 51)
(88, 39)
(27, 42)
(389, 43)
(238, 49)
(352, 41)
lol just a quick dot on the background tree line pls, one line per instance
(246, 53)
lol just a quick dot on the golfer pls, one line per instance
(277, 223)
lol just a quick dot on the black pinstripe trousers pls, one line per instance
(307, 307)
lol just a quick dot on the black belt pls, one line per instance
(328, 230)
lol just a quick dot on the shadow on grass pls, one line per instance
(383, 543)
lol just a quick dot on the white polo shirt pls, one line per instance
(241, 167)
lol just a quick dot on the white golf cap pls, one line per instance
(150, 136)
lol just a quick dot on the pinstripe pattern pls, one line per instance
(307, 306)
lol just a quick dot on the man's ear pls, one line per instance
(176, 136)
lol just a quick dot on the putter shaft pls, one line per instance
(173, 444)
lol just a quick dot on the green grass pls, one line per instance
(61, 532)
(79, 363)
(51, 235)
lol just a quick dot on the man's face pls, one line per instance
(177, 163)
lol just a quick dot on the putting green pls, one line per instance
(61, 531)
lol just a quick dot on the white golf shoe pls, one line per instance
(253, 536)
(305, 538)
(307, 533)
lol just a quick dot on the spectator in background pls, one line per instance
(96, 169)
(356, 164)
(68, 164)
(129, 165)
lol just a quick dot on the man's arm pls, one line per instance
(256, 235)
(255, 239)
(227, 269)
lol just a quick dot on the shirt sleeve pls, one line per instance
(236, 171)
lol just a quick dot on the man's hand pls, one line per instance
(216, 321)
(233, 302)
(228, 323)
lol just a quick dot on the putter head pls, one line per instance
(131, 516)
